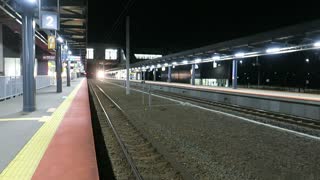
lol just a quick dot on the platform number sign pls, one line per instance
(49, 20)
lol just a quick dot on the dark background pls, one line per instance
(178, 25)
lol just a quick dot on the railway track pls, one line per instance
(293, 120)
(144, 160)
(249, 111)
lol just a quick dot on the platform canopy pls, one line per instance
(73, 25)
(294, 38)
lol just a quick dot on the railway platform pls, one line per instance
(54, 142)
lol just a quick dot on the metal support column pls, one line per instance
(193, 74)
(259, 74)
(28, 55)
(1, 51)
(58, 68)
(235, 74)
(169, 74)
(154, 74)
(128, 55)
(68, 73)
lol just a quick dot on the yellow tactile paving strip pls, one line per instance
(23, 166)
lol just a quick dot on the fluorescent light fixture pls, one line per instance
(215, 58)
(31, 1)
(147, 56)
(185, 62)
(241, 61)
(166, 64)
(173, 67)
(148, 67)
(273, 50)
(316, 44)
(159, 65)
(174, 63)
(241, 54)
(69, 52)
(163, 68)
(197, 61)
(152, 66)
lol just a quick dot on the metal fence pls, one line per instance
(12, 85)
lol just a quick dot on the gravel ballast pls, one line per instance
(215, 146)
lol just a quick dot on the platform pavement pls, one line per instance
(24, 137)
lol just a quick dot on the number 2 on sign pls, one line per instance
(49, 21)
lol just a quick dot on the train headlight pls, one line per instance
(100, 74)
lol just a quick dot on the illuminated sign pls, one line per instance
(111, 54)
(49, 20)
(74, 58)
(51, 42)
(90, 53)
(147, 56)
(49, 58)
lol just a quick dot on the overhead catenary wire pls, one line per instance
(117, 23)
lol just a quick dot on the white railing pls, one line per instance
(12, 85)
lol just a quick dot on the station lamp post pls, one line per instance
(28, 9)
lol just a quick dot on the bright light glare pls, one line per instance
(197, 61)
(159, 65)
(239, 55)
(100, 74)
(214, 64)
(185, 62)
(216, 58)
(273, 50)
(60, 39)
(166, 64)
(31, 1)
(69, 52)
(174, 63)
(316, 44)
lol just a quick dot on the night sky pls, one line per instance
(179, 25)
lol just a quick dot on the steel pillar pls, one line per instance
(68, 73)
(154, 74)
(193, 74)
(1, 51)
(28, 56)
(128, 56)
(58, 68)
(169, 74)
(235, 74)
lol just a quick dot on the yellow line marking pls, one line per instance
(23, 166)
(21, 119)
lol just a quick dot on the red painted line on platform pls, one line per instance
(71, 153)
